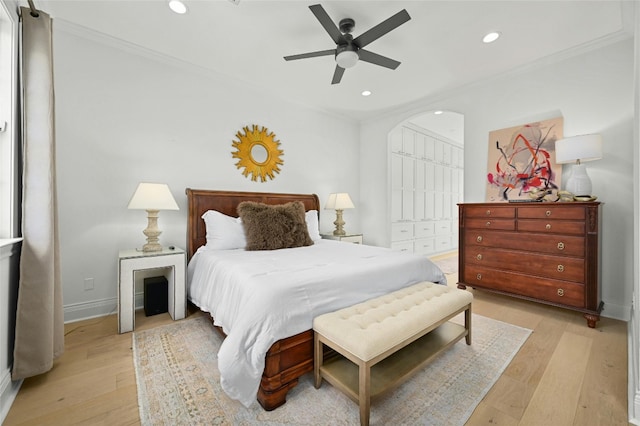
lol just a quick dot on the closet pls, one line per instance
(426, 176)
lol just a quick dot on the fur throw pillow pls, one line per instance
(272, 227)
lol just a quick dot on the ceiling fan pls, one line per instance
(348, 49)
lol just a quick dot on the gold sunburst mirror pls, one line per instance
(258, 153)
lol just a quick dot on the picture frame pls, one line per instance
(521, 163)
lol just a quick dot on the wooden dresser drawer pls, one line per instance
(500, 211)
(551, 226)
(541, 265)
(550, 212)
(550, 290)
(564, 245)
(481, 223)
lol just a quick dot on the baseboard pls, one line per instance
(96, 308)
(636, 407)
(8, 391)
(618, 312)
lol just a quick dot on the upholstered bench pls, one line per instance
(383, 341)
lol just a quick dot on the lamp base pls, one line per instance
(152, 232)
(579, 183)
(151, 247)
(339, 223)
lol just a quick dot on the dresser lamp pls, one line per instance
(579, 149)
(339, 202)
(152, 197)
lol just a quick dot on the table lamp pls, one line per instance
(152, 197)
(339, 202)
(579, 149)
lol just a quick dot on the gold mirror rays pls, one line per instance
(258, 153)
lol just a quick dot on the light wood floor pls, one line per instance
(565, 374)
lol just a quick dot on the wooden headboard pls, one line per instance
(200, 200)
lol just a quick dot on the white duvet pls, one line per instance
(259, 297)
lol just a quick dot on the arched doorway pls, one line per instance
(426, 163)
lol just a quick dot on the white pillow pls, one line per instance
(223, 232)
(311, 217)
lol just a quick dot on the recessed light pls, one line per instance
(366, 93)
(438, 112)
(491, 37)
(177, 6)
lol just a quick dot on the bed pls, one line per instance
(291, 355)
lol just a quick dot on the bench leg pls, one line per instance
(467, 324)
(364, 392)
(317, 360)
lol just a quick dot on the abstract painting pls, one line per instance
(522, 158)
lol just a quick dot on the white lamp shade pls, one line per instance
(339, 201)
(153, 196)
(579, 149)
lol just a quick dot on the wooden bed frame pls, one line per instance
(289, 358)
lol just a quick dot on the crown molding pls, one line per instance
(417, 106)
(138, 50)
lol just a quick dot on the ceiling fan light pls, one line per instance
(347, 58)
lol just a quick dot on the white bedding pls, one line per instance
(259, 297)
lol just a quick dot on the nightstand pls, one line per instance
(132, 261)
(349, 238)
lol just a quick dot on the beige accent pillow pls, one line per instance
(272, 227)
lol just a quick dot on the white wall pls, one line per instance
(124, 116)
(592, 91)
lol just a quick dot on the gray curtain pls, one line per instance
(39, 337)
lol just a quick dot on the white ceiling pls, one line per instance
(440, 48)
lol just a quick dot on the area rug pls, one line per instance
(449, 265)
(178, 382)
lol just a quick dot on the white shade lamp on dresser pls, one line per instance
(151, 197)
(578, 150)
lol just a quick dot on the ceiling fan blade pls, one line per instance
(327, 23)
(310, 54)
(374, 58)
(337, 75)
(382, 28)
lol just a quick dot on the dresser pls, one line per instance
(544, 252)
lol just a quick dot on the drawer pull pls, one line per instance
(479, 238)
(488, 212)
(548, 227)
(479, 256)
(479, 277)
(548, 212)
(488, 223)
(560, 268)
(560, 292)
(403, 230)
(560, 245)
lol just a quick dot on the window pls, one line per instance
(9, 148)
